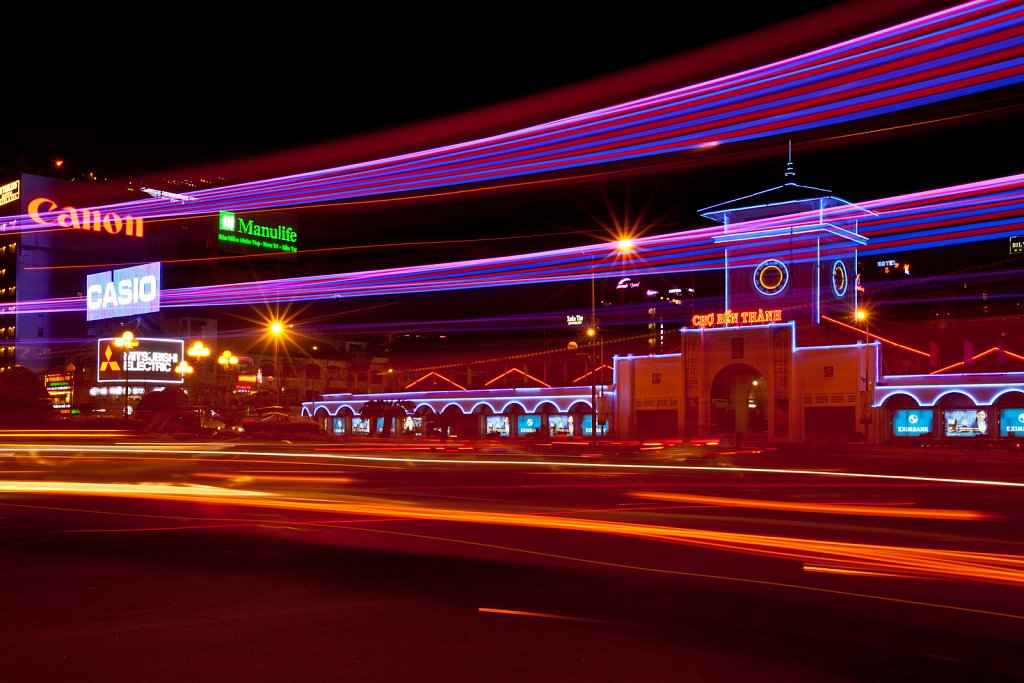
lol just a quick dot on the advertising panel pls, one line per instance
(966, 422)
(124, 292)
(360, 425)
(338, 425)
(560, 425)
(10, 192)
(60, 386)
(1011, 422)
(914, 422)
(151, 362)
(588, 426)
(498, 425)
(528, 424)
(259, 232)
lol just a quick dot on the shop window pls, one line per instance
(655, 378)
(737, 347)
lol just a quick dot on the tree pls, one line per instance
(387, 409)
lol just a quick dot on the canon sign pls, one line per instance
(124, 292)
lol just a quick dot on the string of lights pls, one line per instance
(963, 50)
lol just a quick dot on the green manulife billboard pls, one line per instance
(260, 232)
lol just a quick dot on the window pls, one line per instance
(737, 347)
(830, 371)
(655, 378)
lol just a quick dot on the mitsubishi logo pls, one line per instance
(109, 364)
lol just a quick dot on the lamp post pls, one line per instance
(862, 317)
(276, 330)
(184, 369)
(228, 361)
(198, 352)
(127, 343)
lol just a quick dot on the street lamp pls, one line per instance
(198, 352)
(276, 330)
(184, 369)
(623, 246)
(862, 317)
(127, 343)
(228, 361)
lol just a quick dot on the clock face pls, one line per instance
(840, 281)
(771, 277)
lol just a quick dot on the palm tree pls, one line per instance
(387, 409)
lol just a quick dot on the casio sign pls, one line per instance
(124, 292)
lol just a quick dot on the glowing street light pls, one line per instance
(227, 360)
(276, 330)
(126, 342)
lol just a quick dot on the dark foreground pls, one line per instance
(210, 606)
(284, 565)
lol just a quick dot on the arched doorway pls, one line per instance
(739, 401)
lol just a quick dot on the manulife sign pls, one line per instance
(257, 232)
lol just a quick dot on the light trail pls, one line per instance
(963, 50)
(940, 217)
(32, 449)
(816, 508)
(904, 560)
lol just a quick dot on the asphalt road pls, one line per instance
(160, 562)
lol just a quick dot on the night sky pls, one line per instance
(201, 99)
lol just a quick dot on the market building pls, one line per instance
(766, 366)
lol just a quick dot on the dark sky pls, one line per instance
(179, 91)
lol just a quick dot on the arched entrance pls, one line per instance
(739, 401)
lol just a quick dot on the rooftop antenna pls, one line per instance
(790, 173)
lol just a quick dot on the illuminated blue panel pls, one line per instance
(588, 426)
(339, 425)
(1011, 422)
(528, 424)
(966, 422)
(122, 293)
(912, 422)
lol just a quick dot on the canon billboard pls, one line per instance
(124, 292)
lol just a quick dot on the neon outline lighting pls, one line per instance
(966, 49)
(976, 357)
(765, 266)
(875, 336)
(839, 268)
(525, 375)
(439, 376)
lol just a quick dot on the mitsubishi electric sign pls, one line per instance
(151, 362)
(124, 292)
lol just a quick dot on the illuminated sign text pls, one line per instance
(151, 362)
(10, 192)
(85, 219)
(574, 320)
(234, 229)
(124, 292)
(730, 318)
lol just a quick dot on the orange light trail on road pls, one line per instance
(819, 508)
(543, 615)
(313, 479)
(913, 561)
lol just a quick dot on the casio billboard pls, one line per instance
(124, 292)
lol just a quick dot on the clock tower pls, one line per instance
(791, 248)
